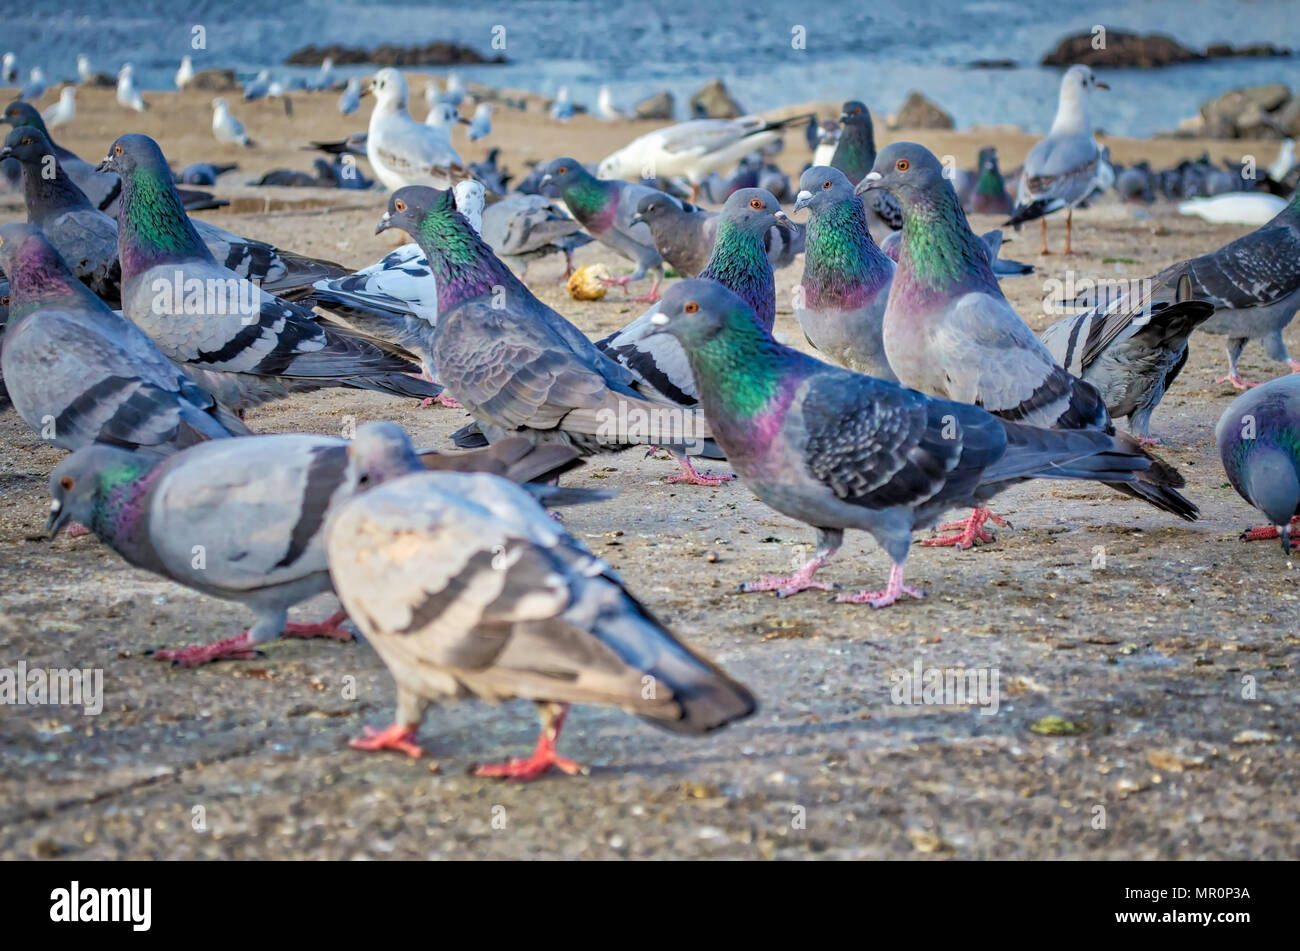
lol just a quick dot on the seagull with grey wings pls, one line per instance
(837, 450)
(465, 588)
(513, 362)
(77, 373)
(1258, 438)
(1062, 170)
(401, 150)
(950, 332)
(202, 314)
(256, 509)
(739, 262)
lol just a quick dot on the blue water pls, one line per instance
(855, 49)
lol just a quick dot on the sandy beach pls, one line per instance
(1169, 662)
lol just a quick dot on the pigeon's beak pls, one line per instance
(5, 153)
(870, 180)
(59, 516)
(385, 223)
(106, 165)
(803, 200)
(546, 179)
(844, 117)
(638, 219)
(1101, 85)
(783, 221)
(656, 326)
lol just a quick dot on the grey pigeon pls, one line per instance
(1259, 443)
(204, 173)
(855, 153)
(836, 449)
(846, 277)
(949, 330)
(685, 237)
(204, 314)
(523, 228)
(607, 209)
(988, 190)
(1061, 170)
(77, 373)
(244, 519)
(514, 363)
(1131, 348)
(465, 588)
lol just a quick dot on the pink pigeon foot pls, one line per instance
(1263, 532)
(332, 626)
(1148, 440)
(1295, 365)
(622, 282)
(77, 530)
(544, 756)
(399, 737)
(1237, 382)
(239, 647)
(972, 531)
(801, 580)
(442, 399)
(691, 476)
(881, 599)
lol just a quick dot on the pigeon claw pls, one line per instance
(691, 476)
(785, 587)
(1264, 532)
(239, 647)
(332, 626)
(1237, 382)
(882, 599)
(399, 737)
(526, 770)
(969, 532)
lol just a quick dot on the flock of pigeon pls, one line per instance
(138, 337)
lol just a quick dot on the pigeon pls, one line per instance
(350, 99)
(127, 93)
(684, 237)
(9, 69)
(606, 208)
(1235, 208)
(950, 332)
(204, 173)
(1135, 185)
(185, 72)
(562, 109)
(693, 149)
(35, 86)
(63, 111)
(464, 587)
(827, 141)
(836, 449)
(102, 188)
(1254, 285)
(87, 238)
(226, 127)
(989, 195)
(1258, 437)
(203, 314)
(522, 228)
(605, 108)
(855, 151)
(739, 262)
(990, 241)
(78, 374)
(494, 178)
(514, 363)
(402, 151)
(480, 127)
(244, 519)
(1060, 170)
(846, 277)
(1132, 348)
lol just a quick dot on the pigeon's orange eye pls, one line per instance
(691, 307)
(826, 184)
(27, 140)
(399, 205)
(67, 482)
(756, 204)
(903, 165)
(561, 170)
(117, 150)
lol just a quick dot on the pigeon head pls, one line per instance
(988, 159)
(822, 187)
(562, 174)
(19, 113)
(389, 89)
(409, 207)
(132, 152)
(27, 144)
(697, 310)
(855, 113)
(81, 484)
(755, 210)
(909, 172)
(653, 208)
(378, 453)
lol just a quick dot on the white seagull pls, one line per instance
(226, 127)
(127, 94)
(61, 112)
(185, 73)
(402, 151)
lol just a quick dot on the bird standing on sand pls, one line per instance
(226, 127)
(63, 111)
(184, 72)
(401, 150)
(127, 93)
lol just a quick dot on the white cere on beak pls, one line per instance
(55, 505)
(659, 319)
(804, 195)
(872, 177)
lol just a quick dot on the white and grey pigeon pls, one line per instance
(350, 98)
(1258, 438)
(1061, 170)
(1132, 348)
(127, 93)
(77, 373)
(465, 588)
(401, 150)
(225, 127)
(202, 314)
(63, 111)
(692, 149)
(35, 86)
(523, 228)
(256, 509)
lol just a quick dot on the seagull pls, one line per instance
(258, 88)
(562, 109)
(226, 127)
(127, 94)
(185, 74)
(1284, 162)
(350, 100)
(35, 85)
(9, 69)
(693, 149)
(1235, 208)
(481, 125)
(1064, 168)
(605, 107)
(455, 91)
(325, 78)
(62, 111)
(402, 151)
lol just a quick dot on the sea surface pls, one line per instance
(874, 51)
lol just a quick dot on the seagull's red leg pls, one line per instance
(544, 755)
(332, 626)
(880, 599)
(1042, 225)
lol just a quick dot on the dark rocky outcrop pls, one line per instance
(430, 54)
